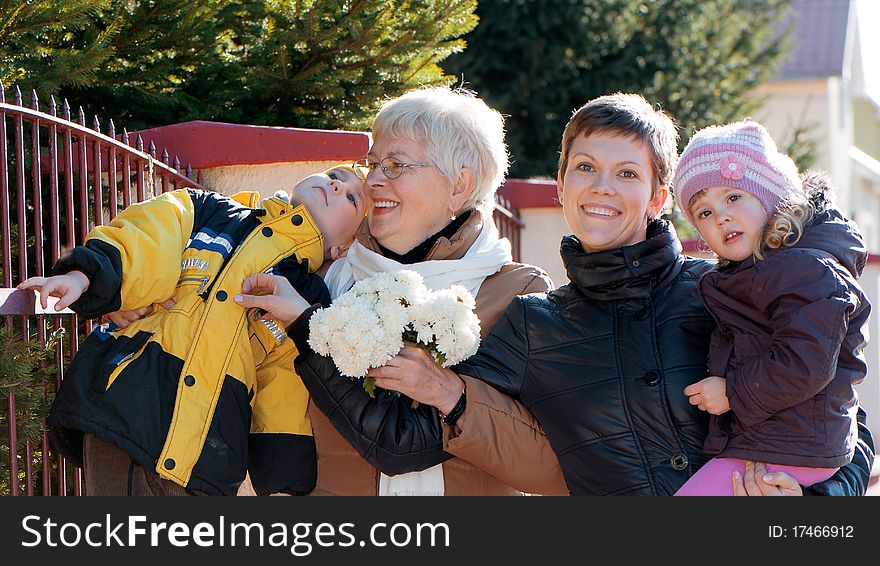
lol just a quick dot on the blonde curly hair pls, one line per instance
(786, 226)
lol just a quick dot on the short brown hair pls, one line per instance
(632, 116)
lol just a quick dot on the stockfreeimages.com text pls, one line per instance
(300, 538)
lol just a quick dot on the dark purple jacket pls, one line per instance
(789, 341)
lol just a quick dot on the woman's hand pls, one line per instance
(414, 373)
(273, 294)
(758, 481)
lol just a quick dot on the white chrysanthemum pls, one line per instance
(363, 328)
(463, 296)
(422, 322)
(320, 332)
(407, 285)
(392, 315)
(446, 323)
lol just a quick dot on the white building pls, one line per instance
(831, 85)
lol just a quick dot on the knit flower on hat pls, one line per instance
(731, 168)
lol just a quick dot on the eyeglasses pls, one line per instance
(390, 167)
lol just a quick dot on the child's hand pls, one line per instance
(69, 287)
(123, 318)
(709, 394)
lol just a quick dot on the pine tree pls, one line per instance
(25, 369)
(154, 49)
(309, 63)
(538, 60)
(329, 63)
(37, 46)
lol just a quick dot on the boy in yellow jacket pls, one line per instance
(189, 399)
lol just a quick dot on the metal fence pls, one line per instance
(509, 224)
(58, 180)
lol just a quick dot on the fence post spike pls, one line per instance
(53, 107)
(35, 100)
(66, 110)
(139, 145)
(111, 130)
(176, 163)
(82, 117)
(125, 136)
(152, 149)
(17, 96)
(189, 170)
(165, 156)
(96, 125)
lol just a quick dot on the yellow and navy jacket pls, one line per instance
(204, 391)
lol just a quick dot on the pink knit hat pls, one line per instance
(740, 155)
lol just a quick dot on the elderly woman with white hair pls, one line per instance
(436, 161)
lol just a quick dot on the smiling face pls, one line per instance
(336, 202)
(730, 220)
(606, 191)
(406, 210)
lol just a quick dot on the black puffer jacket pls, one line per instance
(603, 361)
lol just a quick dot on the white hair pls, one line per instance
(457, 130)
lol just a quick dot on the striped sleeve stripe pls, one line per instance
(207, 239)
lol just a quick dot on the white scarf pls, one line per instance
(484, 258)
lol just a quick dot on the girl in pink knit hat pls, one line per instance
(788, 348)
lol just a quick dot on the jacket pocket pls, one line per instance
(186, 304)
(795, 423)
(121, 357)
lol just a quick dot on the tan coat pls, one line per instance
(341, 470)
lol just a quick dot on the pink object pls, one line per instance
(741, 155)
(715, 478)
(731, 168)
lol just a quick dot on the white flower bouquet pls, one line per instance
(366, 326)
